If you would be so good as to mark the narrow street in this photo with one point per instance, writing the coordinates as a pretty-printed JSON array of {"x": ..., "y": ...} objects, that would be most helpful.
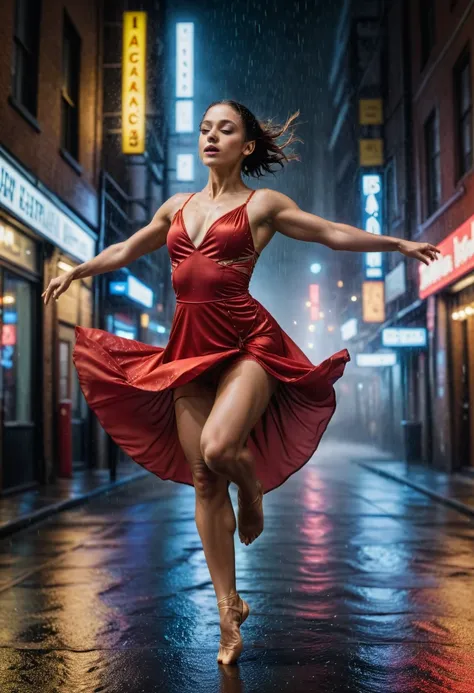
[{"x": 358, "y": 583}]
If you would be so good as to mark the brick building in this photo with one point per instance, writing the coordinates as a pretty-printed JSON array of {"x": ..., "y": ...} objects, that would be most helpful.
[
  {"x": 424, "y": 50},
  {"x": 50, "y": 115},
  {"x": 67, "y": 189},
  {"x": 442, "y": 44}
]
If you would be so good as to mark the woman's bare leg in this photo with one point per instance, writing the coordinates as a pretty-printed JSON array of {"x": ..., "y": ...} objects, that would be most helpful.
[
  {"x": 243, "y": 394},
  {"x": 214, "y": 514}
]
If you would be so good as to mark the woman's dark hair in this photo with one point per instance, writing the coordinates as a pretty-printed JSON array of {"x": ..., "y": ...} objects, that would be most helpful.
[{"x": 267, "y": 151}]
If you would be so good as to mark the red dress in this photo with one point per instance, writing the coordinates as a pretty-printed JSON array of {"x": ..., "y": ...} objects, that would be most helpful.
[{"x": 128, "y": 384}]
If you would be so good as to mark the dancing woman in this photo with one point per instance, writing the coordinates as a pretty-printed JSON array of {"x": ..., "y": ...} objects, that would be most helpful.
[{"x": 231, "y": 398}]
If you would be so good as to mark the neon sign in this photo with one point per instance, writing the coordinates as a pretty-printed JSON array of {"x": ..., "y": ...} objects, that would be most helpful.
[{"x": 372, "y": 220}]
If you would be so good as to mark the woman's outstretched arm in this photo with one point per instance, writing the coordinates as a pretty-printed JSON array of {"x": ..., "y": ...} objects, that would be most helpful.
[
  {"x": 287, "y": 218},
  {"x": 145, "y": 240}
]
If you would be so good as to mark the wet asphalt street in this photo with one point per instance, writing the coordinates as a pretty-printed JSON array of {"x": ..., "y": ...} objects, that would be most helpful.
[{"x": 357, "y": 584}]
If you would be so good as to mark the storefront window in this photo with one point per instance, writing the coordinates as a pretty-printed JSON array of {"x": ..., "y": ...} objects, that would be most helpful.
[{"x": 16, "y": 348}]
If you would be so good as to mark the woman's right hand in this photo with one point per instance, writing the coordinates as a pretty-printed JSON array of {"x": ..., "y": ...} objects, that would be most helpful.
[{"x": 57, "y": 286}]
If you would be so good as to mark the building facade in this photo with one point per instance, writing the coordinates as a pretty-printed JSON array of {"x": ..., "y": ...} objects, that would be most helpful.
[
  {"x": 49, "y": 218},
  {"x": 74, "y": 100},
  {"x": 421, "y": 405},
  {"x": 442, "y": 43}
]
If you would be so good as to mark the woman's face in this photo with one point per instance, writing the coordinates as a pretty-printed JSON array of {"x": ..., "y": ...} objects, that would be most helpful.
[{"x": 222, "y": 137}]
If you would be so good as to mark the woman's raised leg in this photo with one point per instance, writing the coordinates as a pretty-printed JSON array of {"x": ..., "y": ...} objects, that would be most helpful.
[{"x": 243, "y": 393}]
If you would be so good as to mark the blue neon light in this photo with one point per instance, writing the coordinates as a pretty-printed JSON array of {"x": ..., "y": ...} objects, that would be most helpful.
[
  {"x": 404, "y": 337},
  {"x": 372, "y": 221}
]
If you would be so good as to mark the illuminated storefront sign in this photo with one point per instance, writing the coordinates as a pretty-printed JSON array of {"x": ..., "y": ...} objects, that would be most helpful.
[
  {"x": 395, "y": 283},
  {"x": 349, "y": 329},
  {"x": 185, "y": 167},
  {"x": 23, "y": 199},
  {"x": 371, "y": 152},
  {"x": 134, "y": 289},
  {"x": 376, "y": 360},
  {"x": 184, "y": 116},
  {"x": 373, "y": 302},
  {"x": 370, "y": 112},
  {"x": 372, "y": 221},
  {"x": 184, "y": 60},
  {"x": 455, "y": 260},
  {"x": 133, "y": 82},
  {"x": 404, "y": 337}
]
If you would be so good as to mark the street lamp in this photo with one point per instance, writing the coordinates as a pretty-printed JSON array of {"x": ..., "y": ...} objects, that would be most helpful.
[{"x": 315, "y": 268}]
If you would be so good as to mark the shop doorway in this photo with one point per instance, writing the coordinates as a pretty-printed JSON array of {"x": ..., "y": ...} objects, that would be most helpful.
[{"x": 69, "y": 388}]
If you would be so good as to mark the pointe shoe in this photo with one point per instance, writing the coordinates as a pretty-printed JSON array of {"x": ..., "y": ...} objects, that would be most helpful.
[
  {"x": 258, "y": 499},
  {"x": 228, "y": 654}
]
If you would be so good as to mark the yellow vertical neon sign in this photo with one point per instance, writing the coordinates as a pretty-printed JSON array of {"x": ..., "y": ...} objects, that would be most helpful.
[{"x": 133, "y": 82}]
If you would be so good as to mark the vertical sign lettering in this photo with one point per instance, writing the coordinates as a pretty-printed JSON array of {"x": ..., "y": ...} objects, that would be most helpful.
[
  {"x": 133, "y": 82},
  {"x": 372, "y": 221}
]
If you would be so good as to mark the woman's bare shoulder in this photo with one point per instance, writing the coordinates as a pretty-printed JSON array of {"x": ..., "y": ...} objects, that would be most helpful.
[
  {"x": 173, "y": 204},
  {"x": 270, "y": 201}
]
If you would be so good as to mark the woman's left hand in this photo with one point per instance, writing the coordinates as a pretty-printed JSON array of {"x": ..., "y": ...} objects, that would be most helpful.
[{"x": 425, "y": 252}]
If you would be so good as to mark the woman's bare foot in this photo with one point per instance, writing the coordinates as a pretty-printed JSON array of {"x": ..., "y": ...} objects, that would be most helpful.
[
  {"x": 233, "y": 612},
  {"x": 250, "y": 517}
]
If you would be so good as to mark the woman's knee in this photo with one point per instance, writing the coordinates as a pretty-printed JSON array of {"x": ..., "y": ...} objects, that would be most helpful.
[
  {"x": 207, "y": 484},
  {"x": 218, "y": 455}
]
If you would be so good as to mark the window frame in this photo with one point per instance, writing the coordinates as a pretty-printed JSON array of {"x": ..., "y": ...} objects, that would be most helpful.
[
  {"x": 27, "y": 13},
  {"x": 434, "y": 155},
  {"x": 460, "y": 116},
  {"x": 70, "y": 90}
]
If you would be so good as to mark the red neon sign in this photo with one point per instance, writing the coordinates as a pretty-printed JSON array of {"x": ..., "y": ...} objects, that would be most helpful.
[{"x": 455, "y": 260}]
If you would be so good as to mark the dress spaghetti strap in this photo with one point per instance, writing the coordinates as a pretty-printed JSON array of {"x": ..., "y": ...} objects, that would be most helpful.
[
  {"x": 250, "y": 197},
  {"x": 187, "y": 201}
]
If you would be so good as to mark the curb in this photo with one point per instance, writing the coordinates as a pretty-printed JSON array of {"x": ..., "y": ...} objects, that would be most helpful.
[
  {"x": 28, "y": 520},
  {"x": 457, "y": 505}
]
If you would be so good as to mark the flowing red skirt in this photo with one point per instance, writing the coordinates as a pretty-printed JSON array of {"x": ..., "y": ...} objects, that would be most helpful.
[{"x": 129, "y": 385}]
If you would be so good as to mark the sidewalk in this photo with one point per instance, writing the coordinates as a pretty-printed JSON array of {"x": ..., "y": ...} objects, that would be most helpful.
[
  {"x": 455, "y": 490},
  {"x": 26, "y": 507}
]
